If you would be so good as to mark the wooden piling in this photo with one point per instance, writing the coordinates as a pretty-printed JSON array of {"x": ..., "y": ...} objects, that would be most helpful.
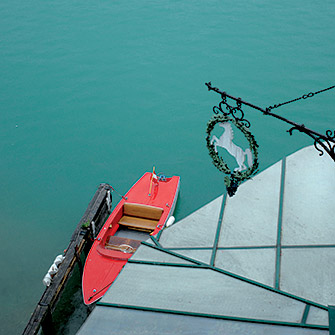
[{"x": 97, "y": 211}]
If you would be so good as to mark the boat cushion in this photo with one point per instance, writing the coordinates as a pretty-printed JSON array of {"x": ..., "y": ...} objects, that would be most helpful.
[
  {"x": 138, "y": 223},
  {"x": 140, "y": 217},
  {"x": 142, "y": 211}
]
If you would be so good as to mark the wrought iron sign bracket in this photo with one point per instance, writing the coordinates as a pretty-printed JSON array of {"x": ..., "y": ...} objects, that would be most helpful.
[{"x": 321, "y": 142}]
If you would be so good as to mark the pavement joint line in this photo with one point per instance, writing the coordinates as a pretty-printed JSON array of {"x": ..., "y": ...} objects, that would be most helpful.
[
  {"x": 279, "y": 225},
  {"x": 213, "y": 316},
  {"x": 244, "y": 279},
  {"x": 305, "y": 314},
  {"x": 218, "y": 230}
]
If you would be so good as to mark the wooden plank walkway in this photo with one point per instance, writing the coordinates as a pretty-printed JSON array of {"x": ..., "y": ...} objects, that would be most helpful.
[{"x": 96, "y": 211}]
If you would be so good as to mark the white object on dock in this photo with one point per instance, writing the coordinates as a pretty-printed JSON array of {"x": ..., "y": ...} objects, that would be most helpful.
[
  {"x": 53, "y": 270},
  {"x": 47, "y": 280},
  {"x": 109, "y": 200},
  {"x": 58, "y": 260}
]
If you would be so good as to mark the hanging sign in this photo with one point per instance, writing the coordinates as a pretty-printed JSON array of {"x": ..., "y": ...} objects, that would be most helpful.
[{"x": 246, "y": 159}]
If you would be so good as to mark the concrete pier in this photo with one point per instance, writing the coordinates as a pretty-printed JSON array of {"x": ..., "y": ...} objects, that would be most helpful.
[{"x": 260, "y": 262}]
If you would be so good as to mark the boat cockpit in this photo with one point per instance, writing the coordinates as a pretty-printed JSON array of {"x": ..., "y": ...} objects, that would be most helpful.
[
  {"x": 140, "y": 217},
  {"x": 136, "y": 221}
]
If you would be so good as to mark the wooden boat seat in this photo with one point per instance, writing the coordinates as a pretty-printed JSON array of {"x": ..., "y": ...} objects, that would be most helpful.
[{"x": 140, "y": 217}]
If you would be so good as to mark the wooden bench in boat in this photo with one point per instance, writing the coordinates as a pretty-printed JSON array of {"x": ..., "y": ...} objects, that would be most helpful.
[{"x": 140, "y": 217}]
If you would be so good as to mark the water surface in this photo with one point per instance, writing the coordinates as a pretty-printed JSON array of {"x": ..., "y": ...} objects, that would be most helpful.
[{"x": 101, "y": 91}]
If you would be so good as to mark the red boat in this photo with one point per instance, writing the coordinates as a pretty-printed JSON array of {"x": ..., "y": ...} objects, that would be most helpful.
[{"x": 144, "y": 210}]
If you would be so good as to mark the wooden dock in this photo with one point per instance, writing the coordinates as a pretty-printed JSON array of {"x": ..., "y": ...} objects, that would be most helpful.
[{"x": 96, "y": 211}]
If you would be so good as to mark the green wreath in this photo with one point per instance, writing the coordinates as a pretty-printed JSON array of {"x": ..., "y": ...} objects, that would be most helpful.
[{"x": 236, "y": 177}]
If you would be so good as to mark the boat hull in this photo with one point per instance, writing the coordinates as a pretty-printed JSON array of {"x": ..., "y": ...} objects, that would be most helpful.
[{"x": 111, "y": 250}]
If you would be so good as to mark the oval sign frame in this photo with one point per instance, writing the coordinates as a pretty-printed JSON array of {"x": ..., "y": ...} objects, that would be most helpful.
[{"x": 236, "y": 177}]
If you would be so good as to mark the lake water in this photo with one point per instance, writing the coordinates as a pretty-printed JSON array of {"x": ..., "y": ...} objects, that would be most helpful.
[{"x": 102, "y": 91}]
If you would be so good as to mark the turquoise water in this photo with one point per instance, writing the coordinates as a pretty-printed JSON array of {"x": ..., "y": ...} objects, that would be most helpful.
[{"x": 101, "y": 91}]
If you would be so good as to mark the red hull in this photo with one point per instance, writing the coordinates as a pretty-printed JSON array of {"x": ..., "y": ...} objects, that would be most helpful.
[{"x": 104, "y": 264}]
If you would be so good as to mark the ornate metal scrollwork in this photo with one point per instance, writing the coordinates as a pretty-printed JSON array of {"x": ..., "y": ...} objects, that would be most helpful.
[
  {"x": 328, "y": 145},
  {"x": 236, "y": 112},
  {"x": 322, "y": 143}
]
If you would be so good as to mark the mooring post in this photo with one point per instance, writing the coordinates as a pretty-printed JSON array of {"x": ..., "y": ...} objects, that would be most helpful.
[{"x": 80, "y": 264}]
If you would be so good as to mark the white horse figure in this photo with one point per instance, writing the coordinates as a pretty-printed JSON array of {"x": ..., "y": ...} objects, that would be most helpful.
[{"x": 226, "y": 141}]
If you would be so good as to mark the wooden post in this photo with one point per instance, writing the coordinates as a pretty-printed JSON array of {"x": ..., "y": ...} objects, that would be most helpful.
[{"x": 80, "y": 264}]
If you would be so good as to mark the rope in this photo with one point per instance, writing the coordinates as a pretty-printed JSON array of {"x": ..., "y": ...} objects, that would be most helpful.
[{"x": 122, "y": 196}]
